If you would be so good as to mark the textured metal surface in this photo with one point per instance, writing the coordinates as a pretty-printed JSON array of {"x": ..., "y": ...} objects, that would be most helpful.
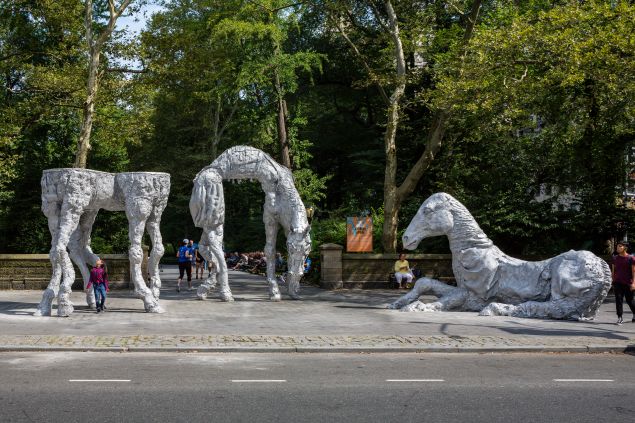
[
  {"x": 283, "y": 207},
  {"x": 571, "y": 285},
  {"x": 71, "y": 199}
]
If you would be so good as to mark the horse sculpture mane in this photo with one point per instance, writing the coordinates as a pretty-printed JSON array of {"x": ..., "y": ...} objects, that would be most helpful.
[{"x": 569, "y": 286}]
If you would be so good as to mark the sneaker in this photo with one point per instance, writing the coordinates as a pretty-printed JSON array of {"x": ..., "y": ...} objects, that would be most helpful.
[
  {"x": 98, "y": 310},
  {"x": 619, "y": 321}
]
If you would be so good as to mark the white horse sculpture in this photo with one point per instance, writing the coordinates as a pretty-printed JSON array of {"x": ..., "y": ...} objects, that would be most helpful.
[
  {"x": 71, "y": 199},
  {"x": 569, "y": 286},
  {"x": 283, "y": 207}
]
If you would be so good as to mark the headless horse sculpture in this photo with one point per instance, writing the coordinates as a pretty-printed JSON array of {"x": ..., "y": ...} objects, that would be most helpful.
[
  {"x": 569, "y": 286},
  {"x": 283, "y": 207},
  {"x": 71, "y": 199}
]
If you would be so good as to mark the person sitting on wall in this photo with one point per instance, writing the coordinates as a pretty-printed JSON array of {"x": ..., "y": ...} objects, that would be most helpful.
[{"x": 402, "y": 271}]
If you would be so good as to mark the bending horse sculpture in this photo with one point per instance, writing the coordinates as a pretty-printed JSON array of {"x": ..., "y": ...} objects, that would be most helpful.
[
  {"x": 283, "y": 207},
  {"x": 71, "y": 199},
  {"x": 569, "y": 286}
]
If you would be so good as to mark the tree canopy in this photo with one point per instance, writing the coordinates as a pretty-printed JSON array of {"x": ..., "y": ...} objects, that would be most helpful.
[{"x": 524, "y": 111}]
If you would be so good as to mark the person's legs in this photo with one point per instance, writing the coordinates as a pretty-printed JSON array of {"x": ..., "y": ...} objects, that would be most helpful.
[
  {"x": 188, "y": 269},
  {"x": 102, "y": 289},
  {"x": 97, "y": 292},
  {"x": 619, "y": 299},
  {"x": 408, "y": 277},
  {"x": 628, "y": 296},
  {"x": 178, "y": 281},
  {"x": 398, "y": 277}
]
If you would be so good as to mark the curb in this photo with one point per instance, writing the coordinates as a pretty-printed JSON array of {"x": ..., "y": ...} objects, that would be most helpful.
[{"x": 591, "y": 349}]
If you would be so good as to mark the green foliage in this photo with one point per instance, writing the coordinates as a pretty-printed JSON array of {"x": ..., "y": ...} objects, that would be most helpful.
[
  {"x": 542, "y": 99},
  {"x": 328, "y": 231}
]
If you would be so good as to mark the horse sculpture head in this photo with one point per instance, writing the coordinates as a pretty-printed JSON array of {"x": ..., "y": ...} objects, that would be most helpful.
[
  {"x": 298, "y": 247},
  {"x": 207, "y": 203},
  {"x": 434, "y": 218}
]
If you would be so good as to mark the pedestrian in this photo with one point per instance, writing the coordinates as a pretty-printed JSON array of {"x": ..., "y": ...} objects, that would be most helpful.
[
  {"x": 622, "y": 271},
  {"x": 402, "y": 271},
  {"x": 185, "y": 264},
  {"x": 192, "y": 247},
  {"x": 200, "y": 261},
  {"x": 99, "y": 282}
]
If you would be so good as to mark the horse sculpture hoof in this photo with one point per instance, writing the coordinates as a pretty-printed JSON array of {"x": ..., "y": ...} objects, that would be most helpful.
[
  {"x": 201, "y": 293},
  {"x": 227, "y": 299},
  {"x": 65, "y": 310},
  {"x": 156, "y": 309}
]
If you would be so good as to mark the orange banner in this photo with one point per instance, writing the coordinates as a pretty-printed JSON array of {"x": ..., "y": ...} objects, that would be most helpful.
[{"x": 359, "y": 234}]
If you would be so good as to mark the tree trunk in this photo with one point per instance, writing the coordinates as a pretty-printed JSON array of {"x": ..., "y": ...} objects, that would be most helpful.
[
  {"x": 282, "y": 133},
  {"x": 392, "y": 202},
  {"x": 83, "y": 144},
  {"x": 218, "y": 127},
  {"x": 283, "y": 141},
  {"x": 393, "y": 195},
  {"x": 215, "y": 128},
  {"x": 92, "y": 85}
]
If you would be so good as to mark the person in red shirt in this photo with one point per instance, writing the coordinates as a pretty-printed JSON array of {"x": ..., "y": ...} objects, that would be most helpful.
[
  {"x": 623, "y": 271},
  {"x": 99, "y": 281}
]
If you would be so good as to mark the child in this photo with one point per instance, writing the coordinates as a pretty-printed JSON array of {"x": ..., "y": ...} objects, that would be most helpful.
[{"x": 99, "y": 282}]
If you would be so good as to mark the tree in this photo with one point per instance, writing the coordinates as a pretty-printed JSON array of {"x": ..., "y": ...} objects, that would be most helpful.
[
  {"x": 369, "y": 18},
  {"x": 545, "y": 100},
  {"x": 95, "y": 43}
]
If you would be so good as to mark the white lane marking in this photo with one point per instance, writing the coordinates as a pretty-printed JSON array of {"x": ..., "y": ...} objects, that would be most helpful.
[
  {"x": 584, "y": 380},
  {"x": 99, "y": 380},
  {"x": 415, "y": 380},
  {"x": 258, "y": 380}
]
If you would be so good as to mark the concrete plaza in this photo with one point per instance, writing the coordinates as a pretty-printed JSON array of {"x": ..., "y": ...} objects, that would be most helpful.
[{"x": 323, "y": 321}]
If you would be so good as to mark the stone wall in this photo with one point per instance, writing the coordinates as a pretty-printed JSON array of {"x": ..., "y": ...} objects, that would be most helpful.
[
  {"x": 33, "y": 271},
  {"x": 355, "y": 270}
]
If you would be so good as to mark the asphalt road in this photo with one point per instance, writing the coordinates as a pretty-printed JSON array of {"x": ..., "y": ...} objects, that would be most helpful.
[{"x": 120, "y": 387}]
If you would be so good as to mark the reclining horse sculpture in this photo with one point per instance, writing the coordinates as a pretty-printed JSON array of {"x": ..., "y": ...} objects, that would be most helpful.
[
  {"x": 283, "y": 207},
  {"x": 71, "y": 199},
  {"x": 569, "y": 286}
]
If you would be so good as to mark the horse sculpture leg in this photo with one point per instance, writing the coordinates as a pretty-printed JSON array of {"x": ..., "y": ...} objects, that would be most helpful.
[
  {"x": 138, "y": 211},
  {"x": 450, "y": 297},
  {"x": 81, "y": 253},
  {"x": 153, "y": 226},
  {"x": 271, "y": 232},
  {"x": 52, "y": 212},
  {"x": 557, "y": 309},
  {"x": 69, "y": 220},
  {"x": 211, "y": 248}
]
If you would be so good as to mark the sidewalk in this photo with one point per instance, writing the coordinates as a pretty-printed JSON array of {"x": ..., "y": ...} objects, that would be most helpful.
[{"x": 324, "y": 321}]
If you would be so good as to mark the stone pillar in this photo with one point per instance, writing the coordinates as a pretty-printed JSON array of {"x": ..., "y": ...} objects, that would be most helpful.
[{"x": 331, "y": 266}]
